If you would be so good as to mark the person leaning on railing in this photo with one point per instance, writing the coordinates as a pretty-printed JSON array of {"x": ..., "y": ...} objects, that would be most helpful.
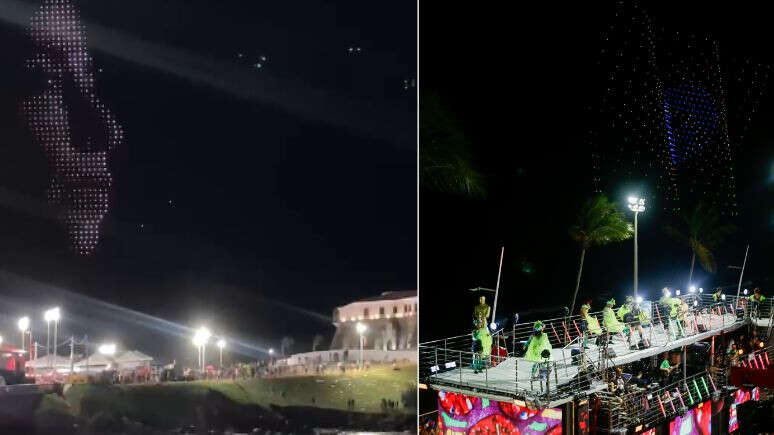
[
  {"x": 610, "y": 322},
  {"x": 589, "y": 324}
]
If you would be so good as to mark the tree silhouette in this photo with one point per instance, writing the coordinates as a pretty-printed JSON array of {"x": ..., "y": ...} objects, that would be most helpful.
[{"x": 599, "y": 223}]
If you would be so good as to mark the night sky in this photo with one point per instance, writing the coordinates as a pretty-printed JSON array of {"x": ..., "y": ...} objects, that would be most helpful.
[
  {"x": 268, "y": 172},
  {"x": 520, "y": 86}
]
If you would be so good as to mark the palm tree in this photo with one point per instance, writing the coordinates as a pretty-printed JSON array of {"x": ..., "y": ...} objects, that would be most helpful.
[
  {"x": 599, "y": 223},
  {"x": 444, "y": 157},
  {"x": 702, "y": 231},
  {"x": 318, "y": 339}
]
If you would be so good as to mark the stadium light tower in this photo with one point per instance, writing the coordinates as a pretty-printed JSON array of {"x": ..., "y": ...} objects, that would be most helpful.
[
  {"x": 637, "y": 205},
  {"x": 200, "y": 339},
  {"x": 361, "y": 328},
  {"x": 52, "y": 315},
  {"x": 221, "y": 345},
  {"x": 24, "y": 326}
]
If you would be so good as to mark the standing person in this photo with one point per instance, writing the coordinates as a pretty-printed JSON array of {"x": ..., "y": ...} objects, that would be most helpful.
[
  {"x": 633, "y": 316},
  {"x": 755, "y": 300},
  {"x": 718, "y": 295},
  {"x": 482, "y": 339},
  {"x": 482, "y": 345},
  {"x": 481, "y": 312},
  {"x": 536, "y": 344},
  {"x": 610, "y": 322},
  {"x": 589, "y": 324}
]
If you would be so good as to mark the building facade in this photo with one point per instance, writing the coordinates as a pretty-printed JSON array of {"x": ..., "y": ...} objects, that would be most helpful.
[{"x": 390, "y": 320}]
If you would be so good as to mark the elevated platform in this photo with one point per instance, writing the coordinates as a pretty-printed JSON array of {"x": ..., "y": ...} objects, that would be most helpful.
[{"x": 512, "y": 378}]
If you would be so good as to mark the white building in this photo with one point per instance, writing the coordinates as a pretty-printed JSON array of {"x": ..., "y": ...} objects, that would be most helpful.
[{"x": 390, "y": 319}]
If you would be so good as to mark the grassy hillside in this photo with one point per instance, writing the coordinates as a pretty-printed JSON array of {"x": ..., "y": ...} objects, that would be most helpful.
[{"x": 241, "y": 402}]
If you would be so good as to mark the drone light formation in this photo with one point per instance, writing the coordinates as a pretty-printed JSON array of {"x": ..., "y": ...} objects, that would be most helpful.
[{"x": 76, "y": 131}]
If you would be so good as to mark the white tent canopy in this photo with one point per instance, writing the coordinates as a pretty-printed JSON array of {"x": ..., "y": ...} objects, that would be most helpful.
[
  {"x": 133, "y": 359},
  {"x": 130, "y": 359},
  {"x": 43, "y": 362},
  {"x": 96, "y": 361}
]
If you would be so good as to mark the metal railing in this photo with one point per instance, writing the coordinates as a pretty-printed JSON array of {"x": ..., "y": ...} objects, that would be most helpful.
[
  {"x": 451, "y": 362},
  {"x": 622, "y": 411}
]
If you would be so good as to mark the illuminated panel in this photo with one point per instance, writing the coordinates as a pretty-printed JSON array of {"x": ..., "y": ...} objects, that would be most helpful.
[
  {"x": 740, "y": 396},
  {"x": 463, "y": 414},
  {"x": 695, "y": 421},
  {"x": 76, "y": 131}
]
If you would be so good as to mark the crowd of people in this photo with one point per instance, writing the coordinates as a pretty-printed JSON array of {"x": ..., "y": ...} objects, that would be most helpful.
[
  {"x": 627, "y": 320},
  {"x": 742, "y": 348}
]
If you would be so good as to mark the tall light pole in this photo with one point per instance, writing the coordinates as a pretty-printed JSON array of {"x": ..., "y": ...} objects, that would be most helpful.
[
  {"x": 221, "y": 345},
  {"x": 200, "y": 339},
  {"x": 24, "y": 325},
  {"x": 52, "y": 315},
  {"x": 637, "y": 205},
  {"x": 361, "y": 328}
]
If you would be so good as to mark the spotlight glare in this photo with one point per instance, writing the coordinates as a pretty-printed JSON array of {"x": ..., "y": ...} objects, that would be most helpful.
[{"x": 24, "y": 324}]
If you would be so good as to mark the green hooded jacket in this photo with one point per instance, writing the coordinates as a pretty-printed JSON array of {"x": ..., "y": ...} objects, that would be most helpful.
[
  {"x": 610, "y": 322},
  {"x": 536, "y": 345},
  {"x": 483, "y": 335}
]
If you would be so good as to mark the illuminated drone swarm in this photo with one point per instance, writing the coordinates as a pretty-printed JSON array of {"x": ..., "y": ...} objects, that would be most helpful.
[
  {"x": 672, "y": 114},
  {"x": 79, "y": 175}
]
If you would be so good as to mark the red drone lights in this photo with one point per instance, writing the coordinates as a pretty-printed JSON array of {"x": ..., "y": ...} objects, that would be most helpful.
[{"x": 76, "y": 131}]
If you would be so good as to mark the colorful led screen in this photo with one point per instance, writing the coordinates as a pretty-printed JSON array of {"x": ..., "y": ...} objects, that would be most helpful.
[
  {"x": 463, "y": 414},
  {"x": 696, "y": 421},
  {"x": 740, "y": 396}
]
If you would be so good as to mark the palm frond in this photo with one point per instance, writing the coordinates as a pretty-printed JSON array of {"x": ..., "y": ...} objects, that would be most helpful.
[
  {"x": 445, "y": 163},
  {"x": 706, "y": 257},
  {"x": 702, "y": 231},
  {"x": 599, "y": 222}
]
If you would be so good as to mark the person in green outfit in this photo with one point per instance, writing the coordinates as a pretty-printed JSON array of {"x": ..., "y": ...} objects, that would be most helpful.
[
  {"x": 755, "y": 300},
  {"x": 718, "y": 295},
  {"x": 665, "y": 368},
  {"x": 589, "y": 324},
  {"x": 634, "y": 317},
  {"x": 482, "y": 338},
  {"x": 537, "y": 343},
  {"x": 674, "y": 307},
  {"x": 482, "y": 341},
  {"x": 610, "y": 322}
]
